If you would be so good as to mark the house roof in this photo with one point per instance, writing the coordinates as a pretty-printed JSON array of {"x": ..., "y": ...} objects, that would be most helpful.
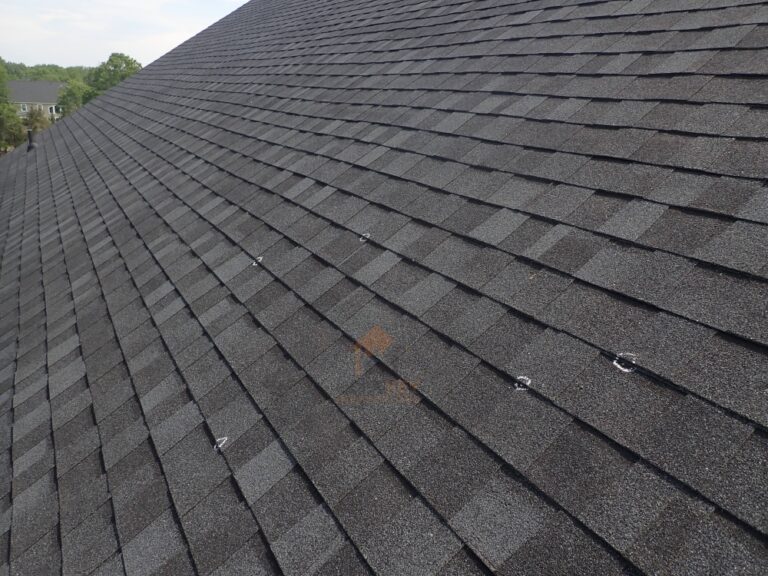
[
  {"x": 34, "y": 91},
  {"x": 394, "y": 288}
]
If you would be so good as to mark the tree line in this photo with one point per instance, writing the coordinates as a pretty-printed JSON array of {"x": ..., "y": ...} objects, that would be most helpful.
[
  {"x": 50, "y": 72},
  {"x": 81, "y": 84}
]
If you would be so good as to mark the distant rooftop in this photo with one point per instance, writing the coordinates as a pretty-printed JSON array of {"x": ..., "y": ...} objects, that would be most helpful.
[{"x": 34, "y": 91}]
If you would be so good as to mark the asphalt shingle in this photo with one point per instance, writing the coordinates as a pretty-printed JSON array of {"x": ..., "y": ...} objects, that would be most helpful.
[{"x": 393, "y": 289}]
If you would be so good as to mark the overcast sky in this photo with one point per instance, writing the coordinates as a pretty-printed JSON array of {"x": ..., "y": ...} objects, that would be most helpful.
[{"x": 81, "y": 32}]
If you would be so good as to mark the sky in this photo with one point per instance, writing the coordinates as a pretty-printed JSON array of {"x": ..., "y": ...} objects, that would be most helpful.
[{"x": 86, "y": 32}]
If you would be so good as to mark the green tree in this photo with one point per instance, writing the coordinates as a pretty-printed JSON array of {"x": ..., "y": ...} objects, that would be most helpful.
[
  {"x": 110, "y": 73},
  {"x": 74, "y": 95},
  {"x": 11, "y": 127},
  {"x": 37, "y": 119},
  {"x": 51, "y": 72},
  {"x": 3, "y": 83}
]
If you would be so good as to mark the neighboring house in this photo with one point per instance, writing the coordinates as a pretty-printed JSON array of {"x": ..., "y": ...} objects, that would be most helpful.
[{"x": 30, "y": 94}]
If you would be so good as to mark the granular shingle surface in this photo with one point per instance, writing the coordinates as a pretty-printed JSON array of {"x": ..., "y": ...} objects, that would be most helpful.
[{"x": 383, "y": 287}]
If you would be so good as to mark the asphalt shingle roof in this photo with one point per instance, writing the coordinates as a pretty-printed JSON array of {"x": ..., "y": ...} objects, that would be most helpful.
[
  {"x": 393, "y": 288},
  {"x": 41, "y": 91}
]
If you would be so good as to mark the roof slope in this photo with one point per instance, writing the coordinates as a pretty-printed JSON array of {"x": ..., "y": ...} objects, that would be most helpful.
[
  {"x": 358, "y": 287},
  {"x": 39, "y": 91}
]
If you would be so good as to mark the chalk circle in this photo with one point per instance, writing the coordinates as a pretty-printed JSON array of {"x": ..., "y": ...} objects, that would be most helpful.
[
  {"x": 626, "y": 362},
  {"x": 522, "y": 383}
]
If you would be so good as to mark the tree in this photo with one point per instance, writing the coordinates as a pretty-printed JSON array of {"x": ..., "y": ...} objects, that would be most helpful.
[
  {"x": 74, "y": 95},
  {"x": 51, "y": 72},
  {"x": 3, "y": 80},
  {"x": 37, "y": 119},
  {"x": 11, "y": 127},
  {"x": 110, "y": 73},
  {"x": 82, "y": 84}
]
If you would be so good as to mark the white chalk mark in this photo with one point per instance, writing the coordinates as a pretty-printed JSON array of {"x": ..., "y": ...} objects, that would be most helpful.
[
  {"x": 522, "y": 382},
  {"x": 220, "y": 444},
  {"x": 625, "y": 361},
  {"x": 256, "y": 262},
  {"x": 365, "y": 237}
]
